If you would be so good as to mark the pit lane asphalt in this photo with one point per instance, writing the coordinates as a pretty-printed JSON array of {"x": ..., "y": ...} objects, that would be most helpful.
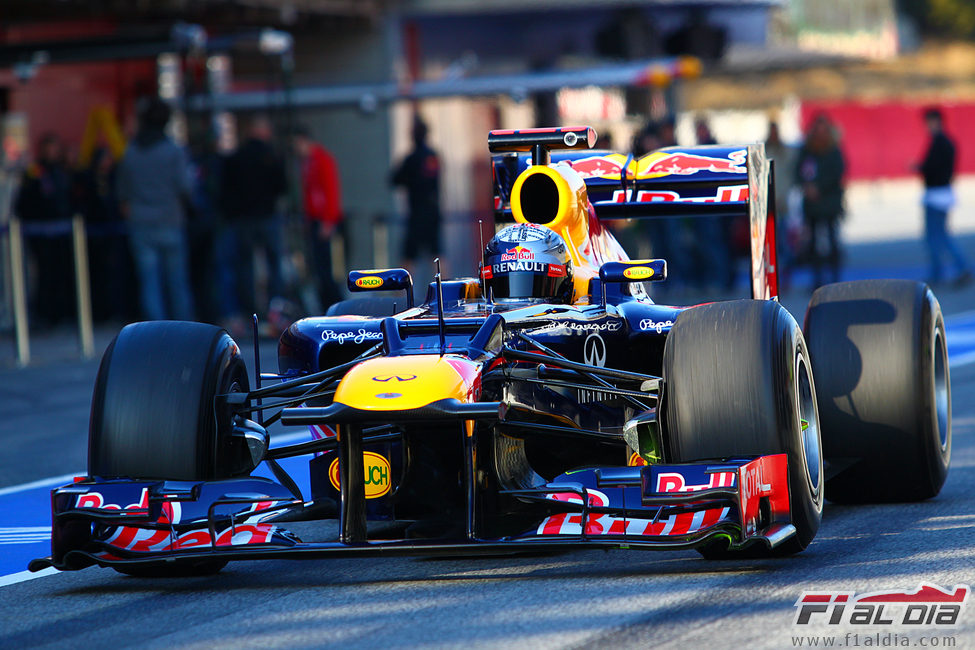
[{"x": 576, "y": 599}]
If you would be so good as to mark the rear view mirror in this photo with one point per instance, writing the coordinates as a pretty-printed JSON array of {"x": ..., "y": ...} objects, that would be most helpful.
[
  {"x": 633, "y": 271},
  {"x": 383, "y": 280},
  {"x": 630, "y": 271}
]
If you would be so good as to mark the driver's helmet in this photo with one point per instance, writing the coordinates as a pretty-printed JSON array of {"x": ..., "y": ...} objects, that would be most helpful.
[{"x": 527, "y": 261}]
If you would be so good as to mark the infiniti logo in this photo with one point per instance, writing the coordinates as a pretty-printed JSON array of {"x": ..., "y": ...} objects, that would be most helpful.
[{"x": 594, "y": 350}]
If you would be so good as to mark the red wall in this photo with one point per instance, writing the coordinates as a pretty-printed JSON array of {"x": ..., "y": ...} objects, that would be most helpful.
[
  {"x": 885, "y": 140},
  {"x": 60, "y": 97}
]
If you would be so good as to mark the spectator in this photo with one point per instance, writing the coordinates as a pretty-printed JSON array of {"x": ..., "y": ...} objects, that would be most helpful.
[
  {"x": 819, "y": 171},
  {"x": 253, "y": 181},
  {"x": 206, "y": 167},
  {"x": 784, "y": 158},
  {"x": 667, "y": 132},
  {"x": 702, "y": 131},
  {"x": 110, "y": 260},
  {"x": 938, "y": 170},
  {"x": 419, "y": 173},
  {"x": 45, "y": 198},
  {"x": 322, "y": 202},
  {"x": 153, "y": 186}
]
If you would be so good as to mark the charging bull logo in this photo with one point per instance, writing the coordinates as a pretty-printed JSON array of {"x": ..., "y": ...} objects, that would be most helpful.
[
  {"x": 660, "y": 163},
  {"x": 517, "y": 253},
  {"x": 684, "y": 164},
  {"x": 376, "y": 471}
]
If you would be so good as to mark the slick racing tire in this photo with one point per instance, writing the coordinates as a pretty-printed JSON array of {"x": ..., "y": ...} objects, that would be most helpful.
[
  {"x": 378, "y": 306},
  {"x": 881, "y": 367},
  {"x": 738, "y": 382},
  {"x": 153, "y": 411}
]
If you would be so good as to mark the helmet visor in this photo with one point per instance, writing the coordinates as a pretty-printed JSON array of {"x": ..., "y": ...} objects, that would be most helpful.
[{"x": 524, "y": 284}]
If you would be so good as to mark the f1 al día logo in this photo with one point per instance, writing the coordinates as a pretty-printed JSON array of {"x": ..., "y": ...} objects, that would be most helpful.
[{"x": 928, "y": 605}]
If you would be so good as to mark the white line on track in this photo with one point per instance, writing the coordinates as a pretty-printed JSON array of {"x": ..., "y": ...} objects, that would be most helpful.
[
  {"x": 964, "y": 359},
  {"x": 44, "y": 482},
  {"x": 961, "y": 332},
  {"x": 55, "y": 481},
  {"x": 961, "y": 317},
  {"x": 23, "y": 576}
]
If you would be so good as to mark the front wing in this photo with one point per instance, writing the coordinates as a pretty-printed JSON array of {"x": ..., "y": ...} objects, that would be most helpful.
[{"x": 121, "y": 523}]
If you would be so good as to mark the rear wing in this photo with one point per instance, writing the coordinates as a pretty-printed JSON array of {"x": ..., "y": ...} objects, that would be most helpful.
[{"x": 674, "y": 182}]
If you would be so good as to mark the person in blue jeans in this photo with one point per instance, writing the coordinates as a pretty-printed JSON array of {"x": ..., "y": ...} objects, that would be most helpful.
[
  {"x": 938, "y": 170},
  {"x": 253, "y": 180},
  {"x": 154, "y": 183}
]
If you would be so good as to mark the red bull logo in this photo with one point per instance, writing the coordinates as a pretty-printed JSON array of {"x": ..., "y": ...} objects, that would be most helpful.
[
  {"x": 730, "y": 193},
  {"x": 690, "y": 163},
  {"x": 661, "y": 164},
  {"x": 517, "y": 253},
  {"x": 596, "y": 167}
]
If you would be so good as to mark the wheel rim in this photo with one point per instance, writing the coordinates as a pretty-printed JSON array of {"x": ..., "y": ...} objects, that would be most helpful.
[
  {"x": 808, "y": 425},
  {"x": 941, "y": 387}
]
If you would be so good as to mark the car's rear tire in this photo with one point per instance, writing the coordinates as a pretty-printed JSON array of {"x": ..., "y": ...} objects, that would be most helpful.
[
  {"x": 153, "y": 412},
  {"x": 881, "y": 365},
  {"x": 738, "y": 382}
]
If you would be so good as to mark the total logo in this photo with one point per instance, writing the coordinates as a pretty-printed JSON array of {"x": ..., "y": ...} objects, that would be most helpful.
[
  {"x": 517, "y": 253},
  {"x": 376, "y": 472}
]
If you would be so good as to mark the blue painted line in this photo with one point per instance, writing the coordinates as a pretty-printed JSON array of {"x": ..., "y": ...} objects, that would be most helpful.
[{"x": 25, "y": 510}]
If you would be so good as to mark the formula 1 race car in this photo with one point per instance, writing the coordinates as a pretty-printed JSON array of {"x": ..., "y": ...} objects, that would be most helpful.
[{"x": 546, "y": 403}]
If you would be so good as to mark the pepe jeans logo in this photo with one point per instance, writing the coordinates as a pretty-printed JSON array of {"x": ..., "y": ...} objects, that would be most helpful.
[
  {"x": 358, "y": 337},
  {"x": 657, "y": 325}
]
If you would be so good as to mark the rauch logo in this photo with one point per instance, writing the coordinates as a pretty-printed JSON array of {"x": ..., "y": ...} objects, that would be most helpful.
[{"x": 376, "y": 473}]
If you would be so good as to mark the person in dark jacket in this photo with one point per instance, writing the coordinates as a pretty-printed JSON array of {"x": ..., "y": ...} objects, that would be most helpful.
[
  {"x": 153, "y": 188},
  {"x": 419, "y": 174},
  {"x": 44, "y": 201},
  {"x": 253, "y": 181},
  {"x": 819, "y": 172},
  {"x": 113, "y": 290},
  {"x": 938, "y": 170}
]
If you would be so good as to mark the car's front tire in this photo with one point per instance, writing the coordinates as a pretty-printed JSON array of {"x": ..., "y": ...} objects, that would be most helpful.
[
  {"x": 154, "y": 413},
  {"x": 738, "y": 382}
]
